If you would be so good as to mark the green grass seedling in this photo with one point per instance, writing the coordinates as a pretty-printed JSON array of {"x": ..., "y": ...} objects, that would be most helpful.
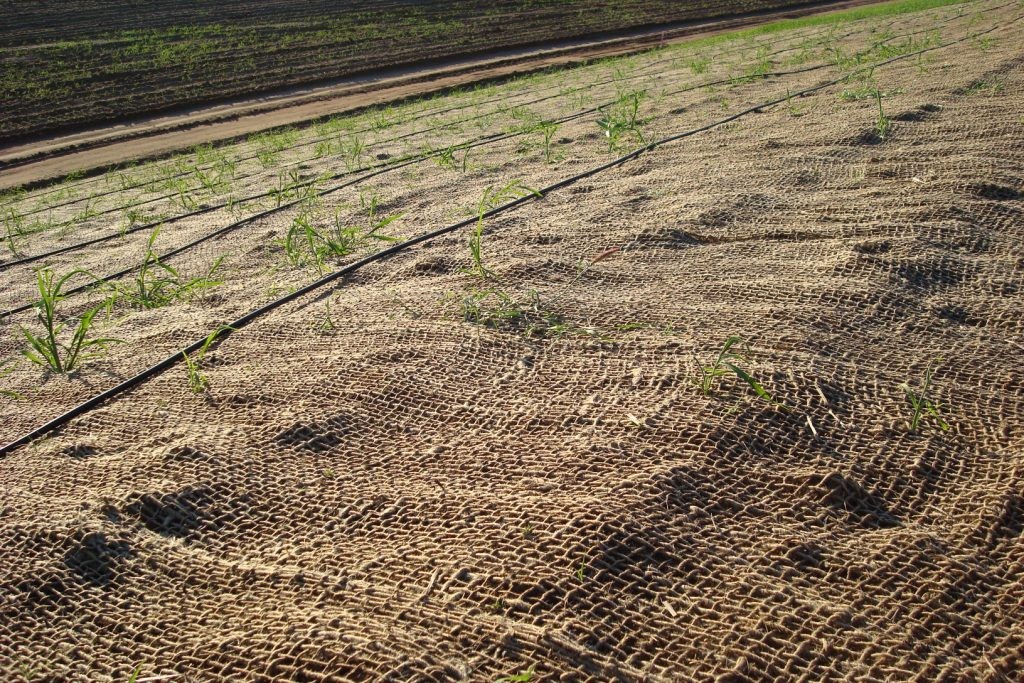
[
  {"x": 158, "y": 284},
  {"x": 490, "y": 308},
  {"x": 447, "y": 158},
  {"x": 300, "y": 234},
  {"x": 992, "y": 86},
  {"x": 884, "y": 124},
  {"x": 794, "y": 110},
  {"x": 130, "y": 219},
  {"x": 727, "y": 363},
  {"x": 548, "y": 130},
  {"x": 308, "y": 243},
  {"x": 521, "y": 677},
  {"x": 6, "y": 368},
  {"x": 87, "y": 212},
  {"x": 622, "y": 118},
  {"x": 198, "y": 382},
  {"x": 921, "y": 404},
  {"x": 492, "y": 197},
  {"x": 352, "y": 151},
  {"x": 135, "y": 674},
  {"x": 327, "y": 324},
  {"x": 270, "y": 145},
  {"x": 182, "y": 194},
  {"x": 287, "y": 187},
  {"x": 12, "y": 238},
  {"x": 382, "y": 118},
  {"x": 46, "y": 349},
  {"x": 14, "y": 222}
]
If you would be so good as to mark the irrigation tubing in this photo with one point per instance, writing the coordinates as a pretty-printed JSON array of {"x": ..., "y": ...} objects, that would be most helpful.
[
  {"x": 435, "y": 112},
  {"x": 243, "y": 321},
  {"x": 375, "y": 170}
]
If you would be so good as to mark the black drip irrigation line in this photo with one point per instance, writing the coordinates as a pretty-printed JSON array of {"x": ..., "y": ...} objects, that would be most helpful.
[
  {"x": 384, "y": 167},
  {"x": 645, "y": 71},
  {"x": 243, "y": 321}
]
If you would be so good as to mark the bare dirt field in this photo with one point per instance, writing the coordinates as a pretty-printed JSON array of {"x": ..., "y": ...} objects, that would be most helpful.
[
  {"x": 76, "y": 62},
  {"x": 698, "y": 364}
]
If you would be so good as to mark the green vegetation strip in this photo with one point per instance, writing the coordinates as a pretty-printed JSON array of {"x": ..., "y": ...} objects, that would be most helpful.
[{"x": 885, "y": 9}]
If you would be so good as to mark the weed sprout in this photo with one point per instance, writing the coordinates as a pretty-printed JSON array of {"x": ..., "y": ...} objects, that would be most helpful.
[
  {"x": 492, "y": 197},
  {"x": 922, "y": 405},
  {"x": 621, "y": 118},
  {"x": 727, "y": 363},
  {"x": 46, "y": 349},
  {"x": 884, "y": 124},
  {"x": 198, "y": 382},
  {"x": 157, "y": 284},
  {"x": 6, "y": 368}
]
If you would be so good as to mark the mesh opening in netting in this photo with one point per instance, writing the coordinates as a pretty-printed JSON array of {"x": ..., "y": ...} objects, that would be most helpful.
[{"x": 423, "y": 473}]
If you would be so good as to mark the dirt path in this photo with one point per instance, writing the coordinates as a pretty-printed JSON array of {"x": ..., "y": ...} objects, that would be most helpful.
[{"x": 149, "y": 137}]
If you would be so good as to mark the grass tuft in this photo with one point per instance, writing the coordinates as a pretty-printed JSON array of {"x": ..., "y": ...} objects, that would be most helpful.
[
  {"x": 621, "y": 119},
  {"x": 921, "y": 404},
  {"x": 491, "y": 198},
  {"x": 46, "y": 349},
  {"x": 522, "y": 677},
  {"x": 198, "y": 382},
  {"x": 727, "y": 363},
  {"x": 6, "y": 368},
  {"x": 884, "y": 124},
  {"x": 157, "y": 284}
]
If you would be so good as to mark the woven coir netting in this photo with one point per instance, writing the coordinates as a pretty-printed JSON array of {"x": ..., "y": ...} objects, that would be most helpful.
[{"x": 422, "y": 473}]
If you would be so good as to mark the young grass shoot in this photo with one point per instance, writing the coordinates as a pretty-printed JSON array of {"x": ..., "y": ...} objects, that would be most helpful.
[
  {"x": 922, "y": 405},
  {"x": 46, "y": 349},
  {"x": 733, "y": 352}
]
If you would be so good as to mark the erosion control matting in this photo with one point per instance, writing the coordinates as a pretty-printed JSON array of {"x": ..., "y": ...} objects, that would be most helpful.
[{"x": 419, "y": 473}]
